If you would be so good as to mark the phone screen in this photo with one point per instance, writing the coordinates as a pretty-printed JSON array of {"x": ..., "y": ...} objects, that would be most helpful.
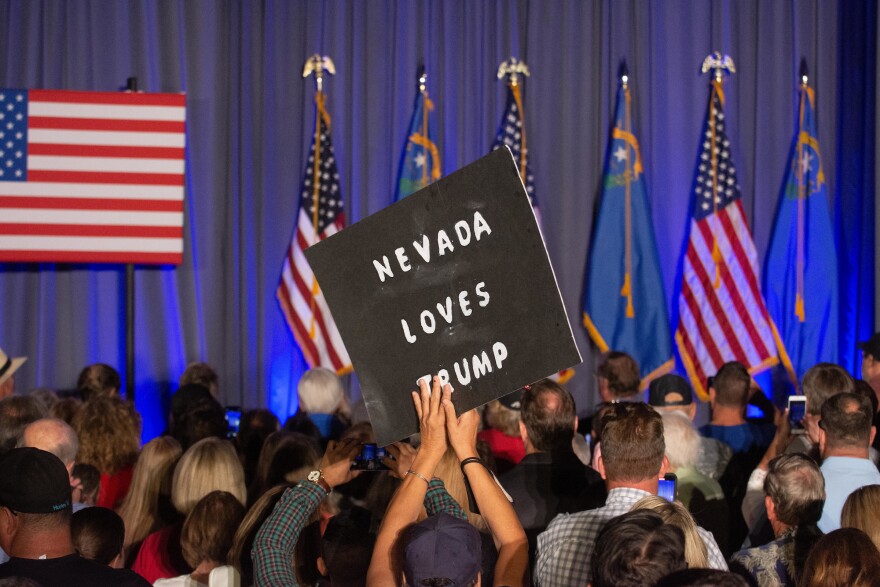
[
  {"x": 370, "y": 459},
  {"x": 797, "y": 409},
  {"x": 233, "y": 421},
  {"x": 666, "y": 487}
]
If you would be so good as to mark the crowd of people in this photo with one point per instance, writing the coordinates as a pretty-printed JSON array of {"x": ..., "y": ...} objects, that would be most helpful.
[{"x": 519, "y": 492}]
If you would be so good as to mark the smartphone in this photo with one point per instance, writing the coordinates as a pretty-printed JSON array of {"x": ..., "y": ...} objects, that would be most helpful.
[
  {"x": 797, "y": 409},
  {"x": 233, "y": 421},
  {"x": 668, "y": 486},
  {"x": 370, "y": 458}
]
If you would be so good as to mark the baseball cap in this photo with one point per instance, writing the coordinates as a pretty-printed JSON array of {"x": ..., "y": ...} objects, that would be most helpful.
[
  {"x": 33, "y": 481},
  {"x": 670, "y": 390},
  {"x": 513, "y": 401},
  {"x": 871, "y": 346},
  {"x": 9, "y": 365},
  {"x": 442, "y": 547}
]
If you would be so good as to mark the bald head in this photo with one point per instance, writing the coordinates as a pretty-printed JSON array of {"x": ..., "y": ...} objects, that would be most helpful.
[{"x": 54, "y": 436}]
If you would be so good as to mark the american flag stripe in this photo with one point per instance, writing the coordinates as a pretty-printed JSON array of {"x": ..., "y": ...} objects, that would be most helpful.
[
  {"x": 722, "y": 315},
  {"x": 92, "y": 176},
  {"x": 320, "y": 216}
]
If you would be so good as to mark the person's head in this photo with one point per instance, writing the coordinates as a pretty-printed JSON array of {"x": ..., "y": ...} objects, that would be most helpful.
[
  {"x": 862, "y": 387},
  {"x": 97, "y": 535},
  {"x": 846, "y": 424},
  {"x": 210, "y": 528},
  {"x": 54, "y": 436},
  {"x": 346, "y": 548},
  {"x": 201, "y": 374},
  {"x": 208, "y": 465},
  {"x": 548, "y": 417},
  {"x": 503, "y": 416},
  {"x": 633, "y": 449},
  {"x": 109, "y": 432},
  {"x": 672, "y": 393},
  {"x": 45, "y": 395},
  {"x": 675, "y": 514},
  {"x": 702, "y": 578},
  {"x": 35, "y": 501},
  {"x": 256, "y": 425},
  {"x": 287, "y": 457},
  {"x": 823, "y": 380},
  {"x": 98, "y": 380},
  {"x": 16, "y": 412},
  {"x": 870, "y": 356},
  {"x": 682, "y": 440},
  {"x": 636, "y": 549},
  {"x": 862, "y": 510},
  {"x": 730, "y": 386},
  {"x": 8, "y": 367},
  {"x": 618, "y": 376},
  {"x": 842, "y": 558},
  {"x": 147, "y": 505},
  {"x": 441, "y": 550},
  {"x": 794, "y": 490},
  {"x": 204, "y": 418},
  {"x": 88, "y": 484},
  {"x": 320, "y": 391},
  {"x": 185, "y": 399},
  {"x": 243, "y": 543},
  {"x": 65, "y": 409}
]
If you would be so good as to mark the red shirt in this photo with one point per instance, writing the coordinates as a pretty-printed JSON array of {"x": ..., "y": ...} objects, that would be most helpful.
[
  {"x": 509, "y": 448},
  {"x": 114, "y": 488}
]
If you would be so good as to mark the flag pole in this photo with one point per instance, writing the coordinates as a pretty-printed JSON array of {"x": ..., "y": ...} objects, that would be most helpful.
[
  {"x": 719, "y": 65},
  {"x": 626, "y": 290},
  {"x": 131, "y": 85},
  {"x": 512, "y": 69},
  {"x": 802, "y": 180},
  {"x": 318, "y": 65}
]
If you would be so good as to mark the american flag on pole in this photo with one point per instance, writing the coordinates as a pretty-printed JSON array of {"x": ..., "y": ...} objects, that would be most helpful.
[
  {"x": 722, "y": 314},
  {"x": 320, "y": 216},
  {"x": 91, "y": 177},
  {"x": 512, "y": 133}
]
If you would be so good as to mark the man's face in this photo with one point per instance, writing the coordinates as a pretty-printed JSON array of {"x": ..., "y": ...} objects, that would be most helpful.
[{"x": 870, "y": 366}]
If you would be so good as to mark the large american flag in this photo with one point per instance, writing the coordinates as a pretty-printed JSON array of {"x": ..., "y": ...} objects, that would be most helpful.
[
  {"x": 722, "y": 315},
  {"x": 320, "y": 215},
  {"x": 511, "y": 133},
  {"x": 91, "y": 176}
]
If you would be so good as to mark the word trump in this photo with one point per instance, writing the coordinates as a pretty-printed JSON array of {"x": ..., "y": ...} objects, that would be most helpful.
[
  {"x": 462, "y": 230},
  {"x": 478, "y": 366}
]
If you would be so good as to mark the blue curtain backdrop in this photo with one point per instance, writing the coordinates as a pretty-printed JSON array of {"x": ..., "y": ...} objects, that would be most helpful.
[{"x": 248, "y": 129}]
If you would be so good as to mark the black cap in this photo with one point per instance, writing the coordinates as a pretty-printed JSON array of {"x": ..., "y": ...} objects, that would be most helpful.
[
  {"x": 670, "y": 390},
  {"x": 33, "y": 481},
  {"x": 871, "y": 346},
  {"x": 513, "y": 401}
]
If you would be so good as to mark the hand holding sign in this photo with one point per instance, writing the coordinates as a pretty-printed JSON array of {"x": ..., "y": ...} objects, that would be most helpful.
[{"x": 453, "y": 280}]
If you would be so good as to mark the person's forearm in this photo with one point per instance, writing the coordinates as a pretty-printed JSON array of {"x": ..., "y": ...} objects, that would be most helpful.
[
  {"x": 275, "y": 541},
  {"x": 438, "y": 500},
  {"x": 508, "y": 533}
]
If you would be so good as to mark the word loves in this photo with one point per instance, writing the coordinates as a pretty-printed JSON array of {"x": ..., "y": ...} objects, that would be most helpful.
[
  {"x": 444, "y": 244},
  {"x": 429, "y": 322}
]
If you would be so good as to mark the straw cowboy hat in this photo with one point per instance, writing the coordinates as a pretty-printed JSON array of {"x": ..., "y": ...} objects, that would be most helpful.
[{"x": 9, "y": 366}]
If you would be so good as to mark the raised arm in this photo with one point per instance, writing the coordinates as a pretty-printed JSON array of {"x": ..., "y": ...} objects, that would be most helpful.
[
  {"x": 510, "y": 538},
  {"x": 275, "y": 541},
  {"x": 405, "y": 506}
]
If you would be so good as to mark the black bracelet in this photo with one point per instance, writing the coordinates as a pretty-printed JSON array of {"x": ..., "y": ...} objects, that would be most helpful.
[{"x": 470, "y": 460}]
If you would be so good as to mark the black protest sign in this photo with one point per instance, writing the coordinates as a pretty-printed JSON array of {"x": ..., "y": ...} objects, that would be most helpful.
[{"x": 453, "y": 279}]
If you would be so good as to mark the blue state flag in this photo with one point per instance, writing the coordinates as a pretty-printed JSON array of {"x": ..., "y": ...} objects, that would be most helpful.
[
  {"x": 420, "y": 165},
  {"x": 800, "y": 277},
  {"x": 624, "y": 300}
]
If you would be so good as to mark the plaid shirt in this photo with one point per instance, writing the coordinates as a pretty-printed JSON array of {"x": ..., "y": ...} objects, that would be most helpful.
[
  {"x": 566, "y": 547},
  {"x": 274, "y": 544}
]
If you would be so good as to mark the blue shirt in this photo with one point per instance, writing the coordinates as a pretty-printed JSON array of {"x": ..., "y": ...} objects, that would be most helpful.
[
  {"x": 843, "y": 475},
  {"x": 741, "y": 437}
]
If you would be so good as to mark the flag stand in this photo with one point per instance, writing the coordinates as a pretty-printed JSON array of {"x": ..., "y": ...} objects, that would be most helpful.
[{"x": 130, "y": 86}]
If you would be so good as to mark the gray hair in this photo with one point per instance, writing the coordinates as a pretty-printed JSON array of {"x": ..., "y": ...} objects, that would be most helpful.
[
  {"x": 320, "y": 391},
  {"x": 54, "y": 436},
  {"x": 682, "y": 440},
  {"x": 796, "y": 487}
]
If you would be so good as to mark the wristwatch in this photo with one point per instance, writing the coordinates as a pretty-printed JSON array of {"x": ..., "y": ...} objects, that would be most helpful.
[{"x": 317, "y": 478}]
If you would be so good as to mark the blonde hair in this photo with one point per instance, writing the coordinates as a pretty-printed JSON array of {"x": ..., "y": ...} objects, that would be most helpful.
[
  {"x": 320, "y": 391},
  {"x": 209, "y": 465},
  {"x": 675, "y": 514},
  {"x": 109, "y": 432},
  {"x": 682, "y": 440},
  {"x": 150, "y": 486},
  {"x": 502, "y": 418},
  {"x": 449, "y": 471},
  {"x": 862, "y": 511}
]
